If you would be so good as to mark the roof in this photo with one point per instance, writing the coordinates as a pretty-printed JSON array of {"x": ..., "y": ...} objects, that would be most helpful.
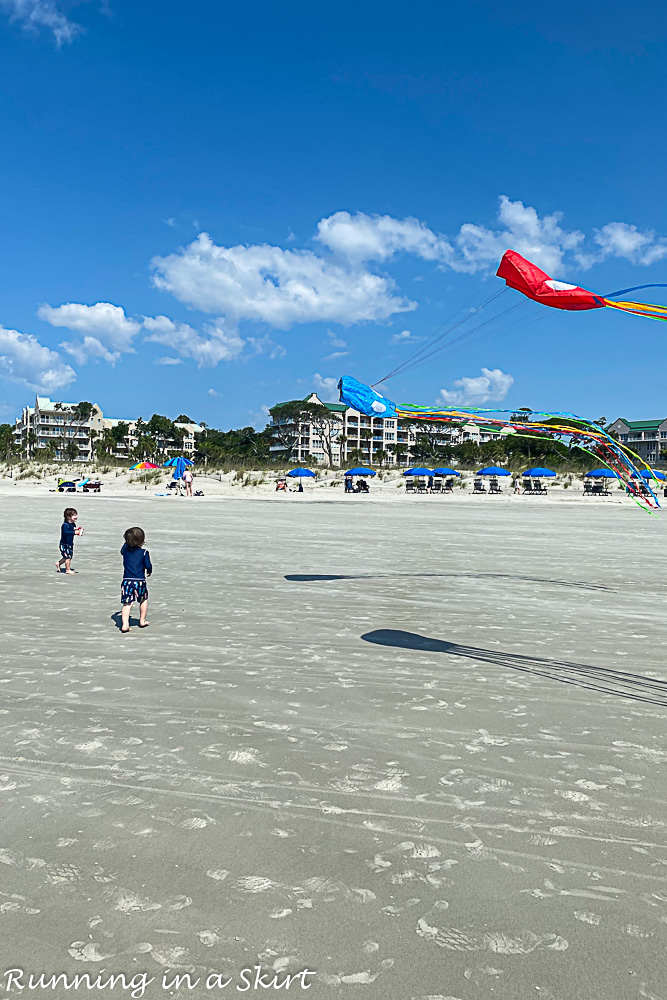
[{"x": 642, "y": 425}]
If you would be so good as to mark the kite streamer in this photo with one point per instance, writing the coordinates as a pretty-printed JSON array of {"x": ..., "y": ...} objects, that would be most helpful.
[
  {"x": 563, "y": 427},
  {"x": 536, "y": 284}
]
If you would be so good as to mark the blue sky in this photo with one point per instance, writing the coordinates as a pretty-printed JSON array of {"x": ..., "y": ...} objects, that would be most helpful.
[{"x": 208, "y": 209}]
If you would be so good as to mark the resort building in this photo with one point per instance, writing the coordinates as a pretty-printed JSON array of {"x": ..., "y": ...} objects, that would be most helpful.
[
  {"x": 647, "y": 438},
  {"x": 68, "y": 431},
  {"x": 367, "y": 440}
]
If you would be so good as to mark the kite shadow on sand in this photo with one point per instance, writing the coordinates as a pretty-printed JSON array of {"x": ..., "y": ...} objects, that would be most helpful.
[
  {"x": 324, "y": 577},
  {"x": 620, "y": 683}
]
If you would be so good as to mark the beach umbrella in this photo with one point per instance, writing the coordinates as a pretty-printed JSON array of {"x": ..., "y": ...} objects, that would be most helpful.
[
  {"x": 602, "y": 474},
  {"x": 179, "y": 458},
  {"x": 650, "y": 474},
  {"x": 418, "y": 472},
  {"x": 299, "y": 473},
  {"x": 144, "y": 466},
  {"x": 538, "y": 473},
  {"x": 493, "y": 470},
  {"x": 359, "y": 471},
  {"x": 445, "y": 472}
]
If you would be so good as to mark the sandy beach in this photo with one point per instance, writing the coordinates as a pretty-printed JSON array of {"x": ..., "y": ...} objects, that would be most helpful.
[{"x": 415, "y": 747}]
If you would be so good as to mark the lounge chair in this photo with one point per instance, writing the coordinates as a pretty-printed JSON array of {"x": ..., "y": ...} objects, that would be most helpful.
[
  {"x": 448, "y": 486},
  {"x": 528, "y": 486},
  {"x": 437, "y": 486},
  {"x": 588, "y": 488},
  {"x": 539, "y": 488},
  {"x": 494, "y": 486},
  {"x": 478, "y": 486},
  {"x": 409, "y": 485},
  {"x": 421, "y": 486}
]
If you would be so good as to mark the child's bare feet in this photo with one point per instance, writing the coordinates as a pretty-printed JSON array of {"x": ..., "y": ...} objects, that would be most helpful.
[
  {"x": 144, "y": 624},
  {"x": 70, "y": 572},
  {"x": 124, "y": 630},
  {"x": 57, "y": 567}
]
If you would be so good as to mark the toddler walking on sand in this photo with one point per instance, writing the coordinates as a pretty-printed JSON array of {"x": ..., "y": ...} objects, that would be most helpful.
[
  {"x": 67, "y": 532},
  {"x": 136, "y": 565}
]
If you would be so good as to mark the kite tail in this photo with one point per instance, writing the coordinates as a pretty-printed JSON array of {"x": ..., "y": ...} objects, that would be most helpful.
[{"x": 639, "y": 309}]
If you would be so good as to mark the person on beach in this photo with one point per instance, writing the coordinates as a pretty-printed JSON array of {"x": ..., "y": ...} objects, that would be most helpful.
[
  {"x": 187, "y": 479},
  {"x": 67, "y": 533},
  {"x": 517, "y": 485},
  {"x": 136, "y": 566}
]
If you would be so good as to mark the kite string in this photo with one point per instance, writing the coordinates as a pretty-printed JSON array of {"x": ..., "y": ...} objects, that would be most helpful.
[{"x": 450, "y": 329}]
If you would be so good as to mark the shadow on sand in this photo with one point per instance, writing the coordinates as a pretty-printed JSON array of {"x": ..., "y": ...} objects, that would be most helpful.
[
  {"x": 116, "y": 619},
  {"x": 602, "y": 679},
  {"x": 323, "y": 577}
]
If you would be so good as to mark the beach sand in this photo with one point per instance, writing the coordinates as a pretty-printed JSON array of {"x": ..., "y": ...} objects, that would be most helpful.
[{"x": 415, "y": 747}]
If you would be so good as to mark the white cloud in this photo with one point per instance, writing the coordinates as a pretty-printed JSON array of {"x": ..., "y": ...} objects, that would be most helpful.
[
  {"x": 24, "y": 360},
  {"x": 167, "y": 361},
  {"x": 618, "y": 239},
  {"x": 364, "y": 237},
  {"x": 490, "y": 387},
  {"x": 107, "y": 331},
  {"x": 36, "y": 14},
  {"x": 326, "y": 388},
  {"x": 212, "y": 392},
  {"x": 336, "y": 354},
  {"x": 543, "y": 239},
  {"x": 220, "y": 344},
  {"x": 275, "y": 286},
  {"x": 336, "y": 339},
  {"x": 404, "y": 337}
]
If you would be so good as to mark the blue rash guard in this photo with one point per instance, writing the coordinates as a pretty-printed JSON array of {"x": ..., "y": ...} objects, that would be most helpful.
[
  {"x": 67, "y": 533},
  {"x": 136, "y": 562}
]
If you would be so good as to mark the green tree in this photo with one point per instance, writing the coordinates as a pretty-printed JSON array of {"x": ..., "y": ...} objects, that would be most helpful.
[{"x": 291, "y": 420}]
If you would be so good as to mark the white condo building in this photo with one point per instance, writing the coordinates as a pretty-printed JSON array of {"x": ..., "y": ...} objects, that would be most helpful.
[
  {"x": 58, "y": 422},
  {"x": 393, "y": 437}
]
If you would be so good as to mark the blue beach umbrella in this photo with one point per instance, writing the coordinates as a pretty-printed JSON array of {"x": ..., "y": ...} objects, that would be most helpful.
[
  {"x": 538, "y": 473},
  {"x": 298, "y": 473},
  {"x": 650, "y": 474},
  {"x": 602, "y": 474},
  {"x": 418, "y": 472},
  {"x": 359, "y": 471},
  {"x": 175, "y": 461},
  {"x": 445, "y": 472},
  {"x": 493, "y": 470}
]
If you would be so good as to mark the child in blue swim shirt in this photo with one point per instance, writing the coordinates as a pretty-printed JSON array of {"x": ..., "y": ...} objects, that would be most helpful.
[
  {"x": 136, "y": 566},
  {"x": 67, "y": 532}
]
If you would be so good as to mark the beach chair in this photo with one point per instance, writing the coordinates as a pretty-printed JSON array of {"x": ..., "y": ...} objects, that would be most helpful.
[
  {"x": 538, "y": 488},
  {"x": 409, "y": 485},
  {"x": 437, "y": 486},
  {"x": 588, "y": 488},
  {"x": 478, "y": 486},
  {"x": 421, "y": 486},
  {"x": 448, "y": 486},
  {"x": 494, "y": 486},
  {"x": 528, "y": 486}
]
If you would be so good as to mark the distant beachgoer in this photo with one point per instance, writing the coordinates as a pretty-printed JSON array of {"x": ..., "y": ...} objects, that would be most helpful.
[
  {"x": 429, "y": 485},
  {"x": 67, "y": 532},
  {"x": 187, "y": 479},
  {"x": 517, "y": 485},
  {"x": 281, "y": 485},
  {"x": 136, "y": 565}
]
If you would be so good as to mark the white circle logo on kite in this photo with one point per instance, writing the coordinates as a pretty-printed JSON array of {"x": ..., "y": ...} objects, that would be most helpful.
[
  {"x": 559, "y": 286},
  {"x": 378, "y": 407}
]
